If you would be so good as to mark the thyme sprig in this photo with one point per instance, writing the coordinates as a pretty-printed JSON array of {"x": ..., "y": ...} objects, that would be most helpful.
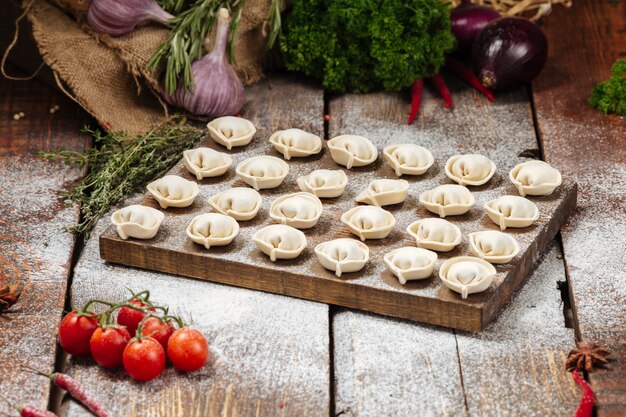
[{"x": 121, "y": 163}]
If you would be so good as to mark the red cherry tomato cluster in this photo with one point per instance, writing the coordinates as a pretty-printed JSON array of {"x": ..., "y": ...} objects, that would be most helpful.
[{"x": 140, "y": 338}]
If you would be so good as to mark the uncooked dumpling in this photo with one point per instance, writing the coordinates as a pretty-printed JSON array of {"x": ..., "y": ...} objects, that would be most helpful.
[
  {"x": 137, "y": 221},
  {"x": 435, "y": 234},
  {"x": 279, "y": 241},
  {"x": 467, "y": 274},
  {"x": 324, "y": 183},
  {"x": 447, "y": 200},
  {"x": 173, "y": 191},
  {"x": 296, "y": 143},
  {"x": 206, "y": 162},
  {"x": 409, "y": 263},
  {"x": 231, "y": 131},
  {"x": 342, "y": 255},
  {"x": 263, "y": 171},
  {"x": 384, "y": 192},
  {"x": 408, "y": 159},
  {"x": 535, "y": 178},
  {"x": 493, "y": 246},
  {"x": 352, "y": 151},
  {"x": 212, "y": 229},
  {"x": 512, "y": 211},
  {"x": 299, "y": 210},
  {"x": 369, "y": 222},
  {"x": 240, "y": 203},
  {"x": 470, "y": 169}
]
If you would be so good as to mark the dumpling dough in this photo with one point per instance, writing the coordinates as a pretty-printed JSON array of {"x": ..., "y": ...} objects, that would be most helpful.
[
  {"x": 409, "y": 263},
  {"x": 299, "y": 210},
  {"x": 263, "y": 171},
  {"x": 447, "y": 200},
  {"x": 470, "y": 169},
  {"x": 342, "y": 255},
  {"x": 173, "y": 191},
  {"x": 435, "y": 234},
  {"x": 384, "y": 192},
  {"x": 467, "y": 275},
  {"x": 535, "y": 178},
  {"x": 512, "y": 211},
  {"x": 352, "y": 151},
  {"x": 206, "y": 162},
  {"x": 137, "y": 221},
  {"x": 369, "y": 222},
  {"x": 324, "y": 183},
  {"x": 493, "y": 246},
  {"x": 240, "y": 203},
  {"x": 231, "y": 131},
  {"x": 279, "y": 241},
  {"x": 296, "y": 143},
  {"x": 212, "y": 229},
  {"x": 408, "y": 159}
]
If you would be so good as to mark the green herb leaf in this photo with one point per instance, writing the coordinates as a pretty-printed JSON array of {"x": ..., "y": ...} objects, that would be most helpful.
[{"x": 610, "y": 96}]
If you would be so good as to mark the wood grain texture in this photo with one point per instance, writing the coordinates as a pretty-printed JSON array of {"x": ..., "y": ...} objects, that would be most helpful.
[
  {"x": 582, "y": 143},
  {"x": 33, "y": 246},
  {"x": 502, "y": 132},
  {"x": 270, "y": 353}
]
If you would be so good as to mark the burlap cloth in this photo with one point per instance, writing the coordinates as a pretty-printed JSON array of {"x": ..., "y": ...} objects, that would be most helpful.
[{"x": 108, "y": 76}]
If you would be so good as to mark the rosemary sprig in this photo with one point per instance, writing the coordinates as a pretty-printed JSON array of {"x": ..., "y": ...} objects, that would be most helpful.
[{"x": 120, "y": 164}]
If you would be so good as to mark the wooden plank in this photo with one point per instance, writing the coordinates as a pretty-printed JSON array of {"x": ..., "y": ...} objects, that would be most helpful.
[
  {"x": 34, "y": 247},
  {"x": 271, "y": 352},
  {"x": 503, "y": 132},
  {"x": 584, "y": 42}
]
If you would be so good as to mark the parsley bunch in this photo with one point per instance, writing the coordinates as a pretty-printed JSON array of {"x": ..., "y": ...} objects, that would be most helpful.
[{"x": 610, "y": 96}]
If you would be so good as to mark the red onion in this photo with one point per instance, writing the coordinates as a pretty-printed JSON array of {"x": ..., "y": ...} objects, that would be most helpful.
[
  {"x": 217, "y": 90},
  {"x": 467, "y": 22},
  {"x": 509, "y": 52},
  {"x": 117, "y": 17}
]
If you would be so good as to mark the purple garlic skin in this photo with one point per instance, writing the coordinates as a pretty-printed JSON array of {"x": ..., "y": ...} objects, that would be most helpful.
[
  {"x": 217, "y": 90},
  {"x": 118, "y": 17}
]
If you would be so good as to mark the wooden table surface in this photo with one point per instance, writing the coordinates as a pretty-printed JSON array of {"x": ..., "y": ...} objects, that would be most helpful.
[{"x": 276, "y": 355}]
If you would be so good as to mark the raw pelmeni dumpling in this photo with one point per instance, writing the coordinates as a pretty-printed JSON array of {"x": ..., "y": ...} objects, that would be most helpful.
[
  {"x": 409, "y": 263},
  {"x": 470, "y": 169},
  {"x": 342, "y": 255},
  {"x": 535, "y": 178},
  {"x": 279, "y": 241},
  {"x": 212, "y": 229},
  {"x": 324, "y": 183},
  {"x": 299, "y": 210},
  {"x": 240, "y": 203},
  {"x": 263, "y": 171},
  {"x": 352, "y": 151},
  {"x": 206, "y": 162},
  {"x": 408, "y": 159},
  {"x": 447, "y": 200},
  {"x": 435, "y": 234},
  {"x": 173, "y": 191},
  {"x": 137, "y": 221},
  {"x": 231, "y": 131},
  {"x": 384, "y": 192},
  {"x": 493, "y": 246},
  {"x": 296, "y": 143},
  {"x": 512, "y": 211},
  {"x": 369, "y": 222},
  {"x": 467, "y": 274}
]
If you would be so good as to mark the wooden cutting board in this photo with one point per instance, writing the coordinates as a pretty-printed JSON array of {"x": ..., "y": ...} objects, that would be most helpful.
[{"x": 372, "y": 289}]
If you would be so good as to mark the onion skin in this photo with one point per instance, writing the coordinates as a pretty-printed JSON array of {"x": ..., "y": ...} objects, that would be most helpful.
[
  {"x": 509, "y": 52},
  {"x": 467, "y": 22},
  {"x": 118, "y": 17}
]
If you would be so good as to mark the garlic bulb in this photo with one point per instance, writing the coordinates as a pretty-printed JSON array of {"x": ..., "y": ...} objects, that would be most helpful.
[
  {"x": 115, "y": 17},
  {"x": 217, "y": 90}
]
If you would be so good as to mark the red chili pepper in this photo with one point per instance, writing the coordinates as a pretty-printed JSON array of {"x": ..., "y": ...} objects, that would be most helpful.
[
  {"x": 585, "y": 406},
  {"x": 443, "y": 90},
  {"x": 32, "y": 411},
  {"x": 457, "y": 68},
  {"x": 416, "y": 98}
]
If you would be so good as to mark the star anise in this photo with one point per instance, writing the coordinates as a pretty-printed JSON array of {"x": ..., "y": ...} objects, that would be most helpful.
[
  {"x": 586, "y": 357},
  {"x": 9, "y": 295}
]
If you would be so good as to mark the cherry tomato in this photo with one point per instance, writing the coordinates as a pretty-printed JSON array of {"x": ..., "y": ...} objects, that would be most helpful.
[
  {"x": 75, "y": 332},
  {"x": 187, "y": 349},
  {"x": 144, "y": 359},
  {"x": 130, "y": 318},
  {"x": 158, "y": 330},
  {"x": 107, "y": 346}
]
